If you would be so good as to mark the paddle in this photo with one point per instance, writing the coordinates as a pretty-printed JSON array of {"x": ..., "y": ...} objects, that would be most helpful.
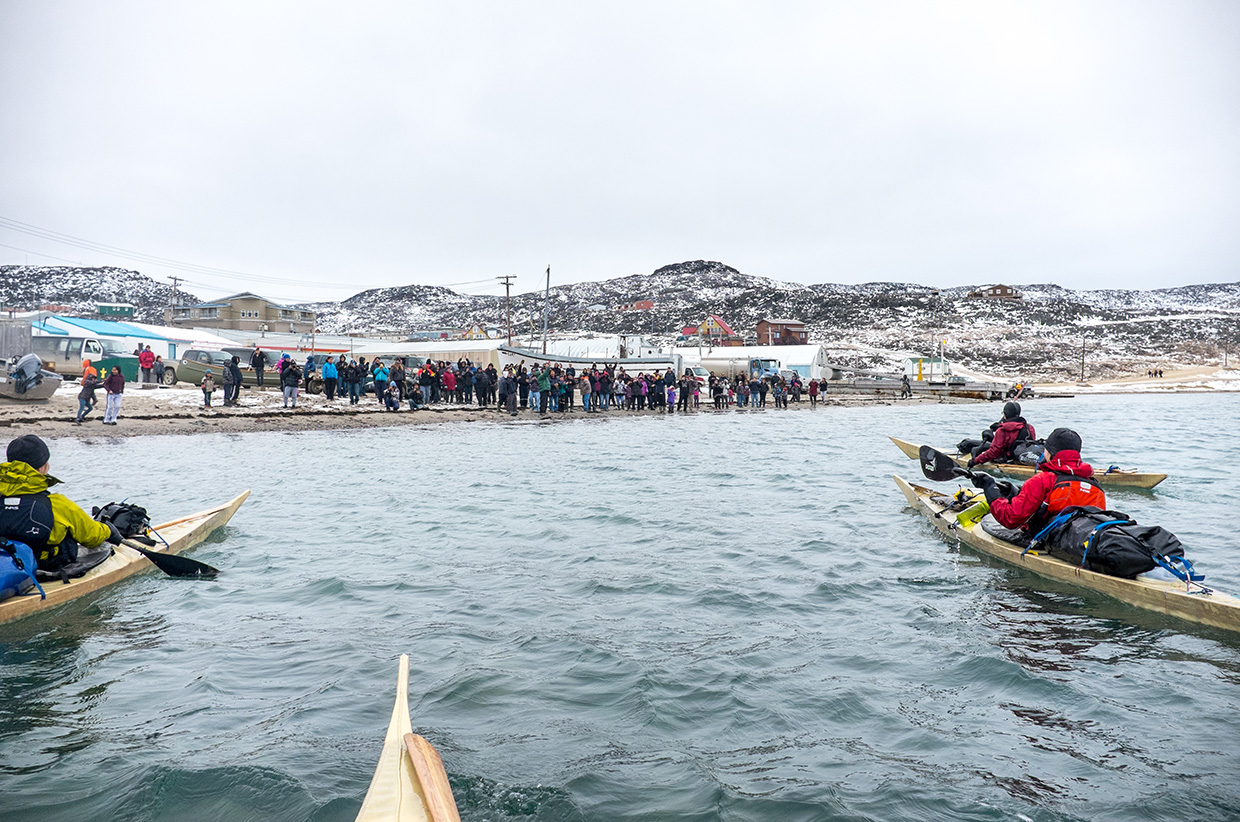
[
  {"x": 173, "y": 565},
  {"x": 939, "y": 467}
]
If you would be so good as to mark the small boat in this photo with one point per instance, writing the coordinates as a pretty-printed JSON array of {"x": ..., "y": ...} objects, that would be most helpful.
[
  {"x": 1111, "y": 478},
  {"x": 180, "y": 534},
  {"x": 1201, "y": 604},
  {"x": 26, "y": 379},
  {"x": 409, "y": 782}
]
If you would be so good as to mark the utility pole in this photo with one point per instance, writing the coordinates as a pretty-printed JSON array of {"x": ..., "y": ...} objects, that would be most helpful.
[
  {"x": 507, "y": 280},
  {"x": 546, "y": 308},
  {"x": 172, "y": 309},
  {"x": 1082, "y": 357}
]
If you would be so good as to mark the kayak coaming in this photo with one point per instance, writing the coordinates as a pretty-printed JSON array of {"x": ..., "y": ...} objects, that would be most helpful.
[
  {"x": 409, "y": 783},
  {"x": 1214, "y": 608},
  {"x": 181, "y": 535},
  {"x": 1112, "y": 479}
]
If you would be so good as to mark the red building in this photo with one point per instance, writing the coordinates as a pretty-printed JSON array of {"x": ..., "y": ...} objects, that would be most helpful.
[{"x": 782, "y": 332}]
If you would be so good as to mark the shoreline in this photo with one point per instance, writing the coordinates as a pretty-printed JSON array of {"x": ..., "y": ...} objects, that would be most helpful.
[{"x": 178, "y": 411}]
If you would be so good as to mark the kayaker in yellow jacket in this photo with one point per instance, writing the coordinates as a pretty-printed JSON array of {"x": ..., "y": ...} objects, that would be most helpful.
[{"x": 43, "y": 520}]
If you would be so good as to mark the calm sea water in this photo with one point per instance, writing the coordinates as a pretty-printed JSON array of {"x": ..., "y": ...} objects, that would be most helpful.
[{"x": 707, "y": 617}]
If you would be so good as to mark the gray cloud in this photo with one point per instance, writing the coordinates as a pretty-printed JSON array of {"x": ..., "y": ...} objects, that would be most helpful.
[{"x": 335, "y": 147}]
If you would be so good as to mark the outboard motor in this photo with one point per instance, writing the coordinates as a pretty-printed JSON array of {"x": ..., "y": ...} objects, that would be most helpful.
[{"x": 27, "y": 373}]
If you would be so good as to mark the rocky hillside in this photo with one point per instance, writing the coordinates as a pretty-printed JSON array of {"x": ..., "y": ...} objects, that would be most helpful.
[
  {"x": 33, "y": 286},
  {"x": 871, "y": 325}
]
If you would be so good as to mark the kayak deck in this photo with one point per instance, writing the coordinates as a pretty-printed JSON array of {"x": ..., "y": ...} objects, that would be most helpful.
[
  {"x": 1108, "y": 479},
  {"x": 1209, "y": 608},
  {"x": 410, "y": 783},
  {"x": 181, "y": 535}
]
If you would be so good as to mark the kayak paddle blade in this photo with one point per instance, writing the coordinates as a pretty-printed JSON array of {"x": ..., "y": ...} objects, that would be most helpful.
[
  {"x": 176, "y": 566},
  {"x": 938, "y": 466}
]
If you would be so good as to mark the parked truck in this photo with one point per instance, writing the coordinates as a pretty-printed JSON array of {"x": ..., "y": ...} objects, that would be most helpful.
[{"x": 64, "y": 355}]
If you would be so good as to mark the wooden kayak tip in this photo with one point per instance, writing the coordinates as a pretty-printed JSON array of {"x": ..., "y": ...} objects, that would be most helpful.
[{"x": 428, "y": 765}]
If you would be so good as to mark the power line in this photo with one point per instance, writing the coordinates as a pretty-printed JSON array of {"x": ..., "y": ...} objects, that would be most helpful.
[
  {"x": 91, "y": 245},
  {"x": 176, "y": 265}
]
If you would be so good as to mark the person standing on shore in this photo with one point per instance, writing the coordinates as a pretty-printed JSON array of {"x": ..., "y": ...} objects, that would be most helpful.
[
  {"x": 586, "y": 389},
  {"x": 309, "y": 371},
  {"x": 381, "y": 380},
  {"x": 159, "y": 369},
  {"x": 208, "y": 387},
  {"x": 353, "y": 380},
  {"x": 813, "y": 393},
  {"x": 228, "y": 382},
  {"x": 86, "y": 397},
  {"x": 508, "y": 392},
  {"x": 290, "y": 382},
  {"x": 146, "y": 361},
  {"x": 114, "y": 386},
  {"x": 329, "y": 378},
  {"x": 233, "y": 368},
  {"x": 906, "y": 392},
  {"x": 396, "y": 377},
  {"x": 258, "y": 361}
]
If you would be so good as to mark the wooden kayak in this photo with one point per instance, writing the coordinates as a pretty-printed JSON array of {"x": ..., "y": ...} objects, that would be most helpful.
[
  {"x": 410, "y": 784},
  {"x": 1117, "y": 478},
  {"x": 1203, "y": 605},
  {"x": 181, "y": 535}
]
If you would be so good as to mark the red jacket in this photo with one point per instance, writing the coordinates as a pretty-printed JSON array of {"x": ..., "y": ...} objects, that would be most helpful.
[
  {"x": 146, "y": 359},
  {"x": 1020, "y": 509},
  {"x": 1005, "y": 436}
]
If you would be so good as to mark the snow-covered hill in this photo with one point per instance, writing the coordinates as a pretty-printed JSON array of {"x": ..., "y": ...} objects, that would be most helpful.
[
  {"x": 873, "y": 325},
  {"x": 33, "y": 286}
]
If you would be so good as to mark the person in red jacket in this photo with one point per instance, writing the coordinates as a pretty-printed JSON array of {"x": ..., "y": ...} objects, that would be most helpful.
[
  {"x": 1061, "y": 481},
  {"x": 1011, "y": 430},
  {"x": 146, "y": 361}
]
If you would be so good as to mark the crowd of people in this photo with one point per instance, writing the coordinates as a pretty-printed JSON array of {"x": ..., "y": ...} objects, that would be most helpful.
[{"x": 543, "y": 387}]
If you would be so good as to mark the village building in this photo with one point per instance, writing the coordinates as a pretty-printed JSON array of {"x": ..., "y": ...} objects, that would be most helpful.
[
  {"x": 713, "y": 330},
  {"x": 781, "y": 332},
  {"x": 995, "y": 292},
  {"x": 243, "y": 312}
]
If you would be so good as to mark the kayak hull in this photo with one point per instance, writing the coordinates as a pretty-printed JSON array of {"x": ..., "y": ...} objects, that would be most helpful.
[
  {"x": 410, "y": 783},
  {"x": 1214, "y": 608},
  {"x": 1113, "y": 479},
  {"x": 181, "y": 535}
]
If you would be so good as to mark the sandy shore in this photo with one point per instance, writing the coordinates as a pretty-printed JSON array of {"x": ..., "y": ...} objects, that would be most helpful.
[
  {"x": 164, "y": 410},
  {"x": 1203, "y": 379}
]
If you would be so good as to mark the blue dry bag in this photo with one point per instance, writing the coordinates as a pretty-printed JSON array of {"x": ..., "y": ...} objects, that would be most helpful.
[{"x": 17, "y": 567}]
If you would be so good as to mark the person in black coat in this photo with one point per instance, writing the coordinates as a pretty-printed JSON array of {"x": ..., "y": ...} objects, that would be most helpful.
[{"x": 258, "y": 361}]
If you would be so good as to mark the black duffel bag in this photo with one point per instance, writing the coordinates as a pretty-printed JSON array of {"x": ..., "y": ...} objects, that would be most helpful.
[
  {"x": 966, "y": 445},
  {"x": 131, "y": 520},
  {"x": 1109, "y": 542}
]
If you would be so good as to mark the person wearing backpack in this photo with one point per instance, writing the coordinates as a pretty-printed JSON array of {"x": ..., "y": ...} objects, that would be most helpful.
[
  {"x": 1011, "y": 431},
  {"x": 1060, "y": 481},
  {"x": 51, "y": 524}
]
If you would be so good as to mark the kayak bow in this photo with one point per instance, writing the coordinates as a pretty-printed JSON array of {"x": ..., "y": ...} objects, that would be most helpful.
[{"x": 409, "y": 782}]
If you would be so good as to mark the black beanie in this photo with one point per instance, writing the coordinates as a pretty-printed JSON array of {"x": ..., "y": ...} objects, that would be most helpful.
[
  {"x": 1011, "y": 410},
  {"x": 1063, "y": 439},
  {"x": 30, "y": 450}
]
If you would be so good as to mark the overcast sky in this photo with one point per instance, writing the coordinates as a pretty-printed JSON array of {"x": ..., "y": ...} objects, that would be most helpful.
[{"x": 323, "y": 148}]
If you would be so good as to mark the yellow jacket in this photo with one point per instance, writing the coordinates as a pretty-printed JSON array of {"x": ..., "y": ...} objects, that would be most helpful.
[{"x": 19, "y": 479}]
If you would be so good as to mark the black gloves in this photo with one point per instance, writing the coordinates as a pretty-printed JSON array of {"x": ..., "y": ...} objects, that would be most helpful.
[
  {"x": 114, "y": 536},
  {"x": 989, "y": 487},
  {"x": 971, "y": 462}
]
